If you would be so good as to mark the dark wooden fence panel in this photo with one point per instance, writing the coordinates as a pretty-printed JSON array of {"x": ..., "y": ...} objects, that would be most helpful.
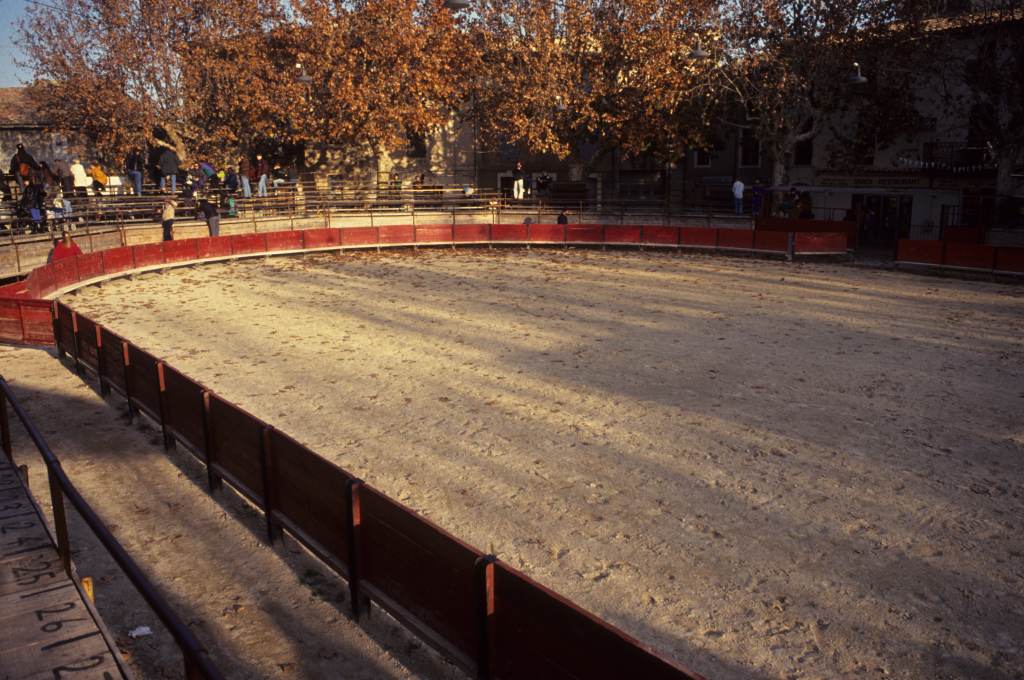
[
  {"x": 539, "y": 634},
  {"x": 145, "y": 386},
  {"x": 65, "y": 329},
  {"x": 310, "y": 494},
  {"x": 415, "y": 568},
  {"x": 235, "y": 438},
  {"x": 113, "y": 359},
  {"x": 183, "y": 409},
  {"x": 88, "y": 350}
]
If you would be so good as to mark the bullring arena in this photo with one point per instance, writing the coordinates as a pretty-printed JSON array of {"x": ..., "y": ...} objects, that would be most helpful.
[{"x": 758, "y": 469}]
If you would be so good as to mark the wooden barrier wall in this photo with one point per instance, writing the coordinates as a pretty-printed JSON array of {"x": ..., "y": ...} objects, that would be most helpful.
[
  {"x": 484, "y": 615},
  {"x": 23, "y": 321},
  {"x": 972, "y": 256}
]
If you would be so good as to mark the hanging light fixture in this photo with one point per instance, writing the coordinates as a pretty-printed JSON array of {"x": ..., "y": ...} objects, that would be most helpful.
[{"x": 699, "y": 52}]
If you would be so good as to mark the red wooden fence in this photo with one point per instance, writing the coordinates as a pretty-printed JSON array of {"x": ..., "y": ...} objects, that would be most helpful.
[{"x": 23, "y": 320}]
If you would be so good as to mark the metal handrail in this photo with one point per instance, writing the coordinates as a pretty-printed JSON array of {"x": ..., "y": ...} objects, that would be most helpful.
[{"x": 197, "y": 661}]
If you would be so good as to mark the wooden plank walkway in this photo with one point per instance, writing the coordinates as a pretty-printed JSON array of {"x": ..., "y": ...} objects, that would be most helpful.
[{"x": 47, "y": 629}]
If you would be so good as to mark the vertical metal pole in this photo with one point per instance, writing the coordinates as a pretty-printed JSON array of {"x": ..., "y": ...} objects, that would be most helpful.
[
  {"x": 162, "y": 405},
  {"x": 5, "y": 427},
  {"x": 55, "y": 317},
  {"x": 127, "y": 361},
  {"x": 213, "y": 480},
  {"x": 354, "y": 546},
  {"x": 60, "y": 519},
  {"x": 267, "y": 474},
  {"x": 790, "y": 246},
  {"x": 485, "y": 599},
  {"x": 101, "y": 363},
  {"x": 74, "y": 335}
]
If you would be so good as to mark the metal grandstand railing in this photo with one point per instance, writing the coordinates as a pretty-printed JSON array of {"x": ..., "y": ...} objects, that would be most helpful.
[{"x": 196, "y": 659}]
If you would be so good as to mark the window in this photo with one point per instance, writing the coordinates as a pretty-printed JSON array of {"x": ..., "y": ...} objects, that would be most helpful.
[
  {"x": 750, "y": 149},
  {"x": 702, "y": 158}
]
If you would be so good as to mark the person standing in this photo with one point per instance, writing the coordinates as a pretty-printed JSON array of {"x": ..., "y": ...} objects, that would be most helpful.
[
  {"x": 63, "y": 171},
  {"x": 737, "y": 195},
  {"x": 22, "y": 166},
  {"x": 167, "y": 217},
  {"x": 209, "y": 211},
  {"x": 99, "y": 178},
  {"x": 169, "y": 165},
  {"x": 134, "y": 165},
  {"x": 64, "y": 248},
  {"x": 563, "y": 218},
  {"x": 80, "y": 178},
  {"x": 263, "y": 173},
  {"x": 518, "y": 182},
  {"x": 244, "y": 170}
]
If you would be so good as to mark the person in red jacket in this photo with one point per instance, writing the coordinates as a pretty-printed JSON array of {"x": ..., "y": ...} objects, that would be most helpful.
[{"x": 64, "y": 249}]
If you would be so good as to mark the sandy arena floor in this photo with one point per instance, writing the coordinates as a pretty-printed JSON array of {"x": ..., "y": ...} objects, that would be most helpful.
[{"x": 763, "y": 470}]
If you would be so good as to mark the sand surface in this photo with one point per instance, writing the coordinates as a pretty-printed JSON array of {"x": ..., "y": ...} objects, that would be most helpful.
[
  {"x": 764, "y": 470},
  {"x": 262, "y": 612}
]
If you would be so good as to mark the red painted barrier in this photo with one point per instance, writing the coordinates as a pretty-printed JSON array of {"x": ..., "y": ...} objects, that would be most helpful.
[
  {"x": 213, "y": 247},
  {"x": 699, "y": 237},
  {"x": 65, "y": 272},
  {"x": 284, "y": 240},
  {"x": 37, "y": 322},
  {"x": 736, "y": 238},
  {"x": 90, "y": 266},
  {"x": 661, "y": 235},
  {"x": 820, "y": 243},
  {"x": 10, "y": 320},
  {"x": 776, "y": 241},
  {"x": 920, "y": 252},
  {"x": 433, "y": 233},
  {"x": 395, "y": 234},
  {"x": 969, "y": 255},
  {"x": 465, "y": 233},
  {"x": 547, "y": 233},
  {"x": 117, "y": 260},
  {"x": 810, "y": 226},
  {"x": 1010, "y": 260},
  {"x": 321, "y": 238},
  {"x": 148, "y": 254},
  {"x": 584, "y": 233},
  {"x": 359, "y": 236},
  {"x": 622, "y": 233},
  {"x": 248, "y": 243},
  {"x": 508, "y": 232},
  {"x": 180, "y": 251}
]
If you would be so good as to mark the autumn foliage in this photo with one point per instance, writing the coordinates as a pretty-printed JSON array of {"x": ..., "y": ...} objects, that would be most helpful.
[{"x": 213, "y": 77}]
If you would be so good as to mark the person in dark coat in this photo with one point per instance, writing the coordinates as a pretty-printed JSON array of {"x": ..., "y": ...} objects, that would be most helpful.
[
  {"x": 169, "y": 165},
  {"x": 22, "y": 166},
  {"x": 209, "y": 211},
  {"x": 134, "y": 166}
]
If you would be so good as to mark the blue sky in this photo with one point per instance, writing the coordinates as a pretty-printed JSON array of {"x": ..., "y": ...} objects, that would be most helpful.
[{"x": 10, "y": 12}]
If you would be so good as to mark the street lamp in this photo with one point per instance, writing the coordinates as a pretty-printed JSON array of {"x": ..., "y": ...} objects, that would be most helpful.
[
  {"x": 303, "y": 77},
  {"x": 699, "y": 52}
]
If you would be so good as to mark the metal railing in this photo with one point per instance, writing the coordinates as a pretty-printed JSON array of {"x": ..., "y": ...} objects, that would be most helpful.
[{"x": 196, "y": 658}]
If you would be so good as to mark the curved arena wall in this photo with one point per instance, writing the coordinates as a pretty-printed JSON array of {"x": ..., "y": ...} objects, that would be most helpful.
[{"x": 26, "y": 316}]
